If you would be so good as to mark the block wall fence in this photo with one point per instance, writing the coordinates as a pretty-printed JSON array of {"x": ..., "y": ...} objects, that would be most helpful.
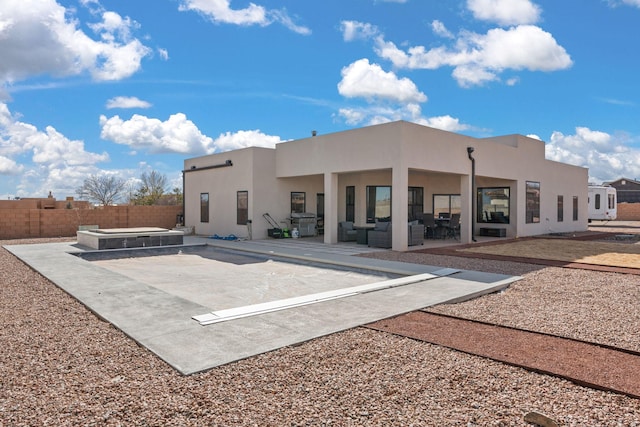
[
  {"x": 32, "y": 223},
  {"x": 628, "y": 212}
]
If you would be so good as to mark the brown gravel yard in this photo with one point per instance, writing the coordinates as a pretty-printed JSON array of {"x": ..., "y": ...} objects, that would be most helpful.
[
  {"x": 61, "y": 365},
  {"x": 587, "y": 252}
]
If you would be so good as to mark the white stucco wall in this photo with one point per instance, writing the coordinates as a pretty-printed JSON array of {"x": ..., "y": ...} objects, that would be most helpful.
[
  {"x": 402, "y": 153},
  {"x": 253, "y": 170}
]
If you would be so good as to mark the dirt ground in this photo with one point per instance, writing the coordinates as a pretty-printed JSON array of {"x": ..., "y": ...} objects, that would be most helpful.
[{"x": 611, "y": 253}]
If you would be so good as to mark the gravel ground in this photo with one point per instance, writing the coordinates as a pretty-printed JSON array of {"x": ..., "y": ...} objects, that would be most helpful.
[{"x": 62, "y": 366}]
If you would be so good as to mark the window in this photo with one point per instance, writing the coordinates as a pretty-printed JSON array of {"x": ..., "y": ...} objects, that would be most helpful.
[
  {"x": 298, "y": 202},
  {"x": 320, "y": 212},
  {"x": 416, "y": 202},
  {"x": 597, "y": 201},
  {"x": 493, "y": 205},
  {"x": 446, "y": 204},
  {"x": 320, "y": 205},
  {"x": 560, "y": 208},
  {"x": 351, "y": 204},
  {"x": 533, "y": 202},
  {"x": 575, "y": 208},
  {"x": 242, "y": 212},
  {"x": 612, "y": 200},
  {"x": 378, "y": 203},
  {"x": 204, "y": 207}
]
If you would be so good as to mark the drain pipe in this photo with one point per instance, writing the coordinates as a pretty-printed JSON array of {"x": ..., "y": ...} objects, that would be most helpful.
[
  {"x": 473, "y": 192},
  {"x": 183, "y": 201}
]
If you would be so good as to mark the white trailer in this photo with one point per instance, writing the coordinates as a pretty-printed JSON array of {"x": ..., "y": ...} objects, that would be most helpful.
[{"x": 603, "y": 203}]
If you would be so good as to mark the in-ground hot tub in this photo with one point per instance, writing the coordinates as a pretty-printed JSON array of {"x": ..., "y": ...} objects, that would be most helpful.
[{"x": 119, "y": 238}]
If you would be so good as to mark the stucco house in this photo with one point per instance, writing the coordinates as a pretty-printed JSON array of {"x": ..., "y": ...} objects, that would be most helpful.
[{"x": 389, "y": 172}]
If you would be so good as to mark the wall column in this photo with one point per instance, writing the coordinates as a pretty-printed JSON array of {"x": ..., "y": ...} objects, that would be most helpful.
[
  {"x": 330, "y": 208},
  {"x": 399, "y": 208},
  {"x": 465, "y": 209}
]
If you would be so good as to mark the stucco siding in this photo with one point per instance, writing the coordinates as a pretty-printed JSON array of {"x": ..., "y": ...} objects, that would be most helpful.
[{"x": 398, "y": 154}]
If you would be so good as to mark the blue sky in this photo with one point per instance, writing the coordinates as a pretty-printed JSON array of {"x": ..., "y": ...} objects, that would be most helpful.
[{"x": 123, "y": 87}]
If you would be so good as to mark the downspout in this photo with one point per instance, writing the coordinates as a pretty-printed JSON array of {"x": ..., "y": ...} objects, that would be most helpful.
[
  {"x": 183, "y": 201},
  {"x": 473, "y": 192}
]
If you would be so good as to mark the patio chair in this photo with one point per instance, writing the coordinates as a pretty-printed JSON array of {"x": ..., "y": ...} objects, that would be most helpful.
[
  {"x": 380, "y": 236},
  {"x": 453, "y": 229},
  {"x": 346, "y": 232},
  {"x": 416, "y": 234},
  {"x": 430, "y": 225}
]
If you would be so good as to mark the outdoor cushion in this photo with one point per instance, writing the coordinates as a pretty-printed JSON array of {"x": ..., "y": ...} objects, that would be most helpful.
[{"x": 382, "y": 226}]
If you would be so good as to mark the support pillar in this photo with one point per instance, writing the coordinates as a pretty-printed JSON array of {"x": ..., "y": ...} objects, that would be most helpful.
[
  {"x": 330, "y": 208},
  {"x": 466, "y": 210},
  {"x": 399, "y": 208}
]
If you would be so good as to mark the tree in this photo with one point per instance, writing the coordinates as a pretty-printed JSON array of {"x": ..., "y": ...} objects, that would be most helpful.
[
  {"x": 177, "y": 192},
  {"x": 151, "y": 189},
  {"x": 102, "y": 189}
]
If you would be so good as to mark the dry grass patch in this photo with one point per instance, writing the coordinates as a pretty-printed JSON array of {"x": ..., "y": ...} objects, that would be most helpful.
[{"x": 586, "y": 252}]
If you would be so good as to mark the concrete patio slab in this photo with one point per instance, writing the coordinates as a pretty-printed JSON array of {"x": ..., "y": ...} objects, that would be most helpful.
[{"x": 161, "y": 320}]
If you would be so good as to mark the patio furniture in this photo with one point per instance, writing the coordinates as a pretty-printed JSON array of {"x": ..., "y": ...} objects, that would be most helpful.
[
  {"x": 430, "y": 225},
  {"x": 346, "y": 232},
  {"x": 453, "y": 228},
  {"x": 380, "y": 236},
  {"x": 416, "y": 234},
  {"x": 363, "y": 233}
]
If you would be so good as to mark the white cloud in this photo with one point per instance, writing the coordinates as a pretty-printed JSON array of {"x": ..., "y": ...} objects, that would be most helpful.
[
  {"x": 354, "y": 30},
  {"x": 376, "y": 114},
  {"x": 164, "y": 54},
  {"x": 57, "y": 162},
  {"x": 49, "y": 147},
  {"x": 370, "y": 81},
  {"x": 352, "y": 116},
  {"x": 176, "y": 135},
  {"x": 615, "y": 3},
  {"x": 127, "y": 102},
  {"x": 505, "y": 12},
  {"x": 10, "y": 167},
  {"x": 220, "y": 11},
  {"x": 608, "y": 157},
  {"x": 446, "y": 122},
  {"x": 479, "y": 58},
  {"x": 283, "y": 18},
  {"x": 54, "y": 149},
  {"x": 440, "y": 30},
  {"x": 245, "y": 138},
  {"x": 389, "y": 98},
  {"x": 36, "y": 37}
]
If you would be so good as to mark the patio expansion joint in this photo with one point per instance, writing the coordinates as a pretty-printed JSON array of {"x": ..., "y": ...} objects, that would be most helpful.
[{"x": 283, "y": 304}]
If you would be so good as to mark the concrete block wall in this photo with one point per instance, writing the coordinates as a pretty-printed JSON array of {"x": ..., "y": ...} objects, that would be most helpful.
[
  {"x": 628, "y": 212},
  {"x": 32, "y": 223},
  {"x": 15, "y": 223}
]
